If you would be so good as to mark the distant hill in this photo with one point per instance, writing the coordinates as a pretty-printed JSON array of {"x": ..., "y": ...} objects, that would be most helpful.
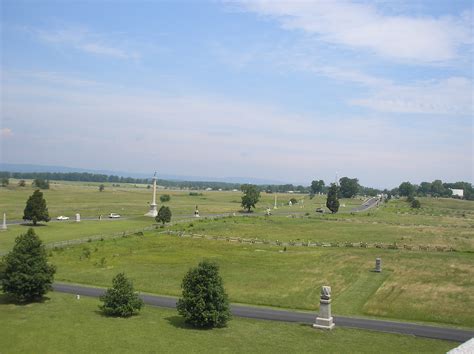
[{"x": 50, "y": 168}]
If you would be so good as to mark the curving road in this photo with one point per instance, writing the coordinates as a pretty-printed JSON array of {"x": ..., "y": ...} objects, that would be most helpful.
[{"x": 453, "y": 334}]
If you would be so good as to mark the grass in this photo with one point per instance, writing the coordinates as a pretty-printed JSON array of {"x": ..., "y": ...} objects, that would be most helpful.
[
  {"x": 418, "y": 286},
  {"x": 70, "y": 230},
  {"x": 334, "y": 228},
  {"x": 63, "y": 324}
]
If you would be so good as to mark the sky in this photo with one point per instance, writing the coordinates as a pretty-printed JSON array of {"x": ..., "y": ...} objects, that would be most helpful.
[{"x": 290, "y": 91}]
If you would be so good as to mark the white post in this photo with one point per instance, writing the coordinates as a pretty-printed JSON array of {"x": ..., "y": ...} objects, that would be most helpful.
[
  {"x": 275, "y": 206},
  {"x": 78, "y": 217},
  {"x": 4, "y": 225}
]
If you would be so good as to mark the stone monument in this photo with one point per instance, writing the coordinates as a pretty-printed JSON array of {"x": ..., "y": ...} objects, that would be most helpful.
[
  {"x": 275, "y": 206},
  {"x": 4, "y": 225},
  {"x": 196, "y": 212},
  {"x": 324, "y": 319},
  {"x": 153, "y": 212},
  {"x": 378, "y": 265},
  {"x": 78, "y": 217}
]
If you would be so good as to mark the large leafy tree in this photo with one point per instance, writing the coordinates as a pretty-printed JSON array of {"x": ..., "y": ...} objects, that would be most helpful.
[
  {"x": 250, "y": 197},
  {"x": 204, "y": 302},
  {"x": 332, "y": 201},
  {"x": 36, "y": 209},
  {"x": 26, "y": 273},
  {"x": 348, "y": 187},
  {"x": 164, "y": 215},
  {"x": 317, "y": 186},
  {"x": 121, "y": 300},
  {"x": 406, "y": 189}
]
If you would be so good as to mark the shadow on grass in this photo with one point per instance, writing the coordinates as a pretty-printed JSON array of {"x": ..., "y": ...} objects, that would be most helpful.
[
  {"x": 7, "y": 299},
  {"x": 178, "y": 322},
  {"x": 30, "y": 224}
]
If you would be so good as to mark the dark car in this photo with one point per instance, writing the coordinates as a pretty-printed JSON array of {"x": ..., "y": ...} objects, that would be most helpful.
[{"x": 320, "y": 210}]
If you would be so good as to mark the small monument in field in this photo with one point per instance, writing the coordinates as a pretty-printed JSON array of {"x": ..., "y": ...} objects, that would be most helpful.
[
  {"x": 153, "y": 212},
  {"x": 378, "y": 265},
  {"x": 4, "y": 224},
  {"x": 78, "y": 217},
  {"x": 275, "y": 206},
  {"x": 196, "y": 212},
  {"x": 324, "y": 319}
]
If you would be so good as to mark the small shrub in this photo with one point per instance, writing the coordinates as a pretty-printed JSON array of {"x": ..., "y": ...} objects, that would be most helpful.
[
  {"x": 165, "y": 198},
  {"x": 121, "y": 300}
]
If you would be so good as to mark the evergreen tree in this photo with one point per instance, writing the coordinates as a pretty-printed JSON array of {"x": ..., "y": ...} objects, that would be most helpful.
[
  {"x": 332, "y": 201},
  {"x": 36, "y": 209},
  {"x": 121, "y": 300},
  {"x": 204, "y": 302},
  {"x": 164, "y": 215},
  {"x": 26, "y": 273}
]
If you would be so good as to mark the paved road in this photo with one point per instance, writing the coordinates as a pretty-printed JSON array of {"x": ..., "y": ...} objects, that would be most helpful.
[
  {"x": 367, "y": 205},
  {"x": 452, "y": 334}
]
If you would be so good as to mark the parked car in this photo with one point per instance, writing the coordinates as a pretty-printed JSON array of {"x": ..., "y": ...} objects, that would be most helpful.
[
  {"x": 320, "y": 210},
  {"x": 62, "y": 217},
  {"x": 114, "y": 215}
]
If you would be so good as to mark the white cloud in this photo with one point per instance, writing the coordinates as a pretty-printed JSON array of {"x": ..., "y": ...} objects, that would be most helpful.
[
  {"x": 218, "y": 135},
  {"x": 362, "y": 26},
  {"x": 87, "y": 41}
]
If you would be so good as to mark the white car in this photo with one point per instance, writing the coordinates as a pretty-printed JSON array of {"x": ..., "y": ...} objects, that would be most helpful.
[
  {"x": 114, "y": 215},
  {"x": 62, "y": 217}
]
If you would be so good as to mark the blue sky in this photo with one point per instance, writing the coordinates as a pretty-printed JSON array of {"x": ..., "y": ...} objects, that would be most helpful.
[{"x": 290, "y": 91}]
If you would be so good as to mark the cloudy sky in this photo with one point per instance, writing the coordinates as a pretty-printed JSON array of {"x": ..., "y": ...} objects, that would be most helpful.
[{"x": 282, "y": 90}]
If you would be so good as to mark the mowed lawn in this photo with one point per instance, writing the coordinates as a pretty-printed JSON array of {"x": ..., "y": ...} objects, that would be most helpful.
[
  {"x": 415, "y": 285},
  {"x": 63, "y": 324}
]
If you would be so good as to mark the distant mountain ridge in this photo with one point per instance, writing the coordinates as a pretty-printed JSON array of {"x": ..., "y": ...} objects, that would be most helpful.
[{"x": 51, "y": 168}]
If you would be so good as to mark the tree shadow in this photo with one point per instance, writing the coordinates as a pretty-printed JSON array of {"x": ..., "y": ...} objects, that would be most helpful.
[
  {"x": 178, "y": 322},
  {"x": 7, "y": 299},
  {"x": 30, "y": 224}
]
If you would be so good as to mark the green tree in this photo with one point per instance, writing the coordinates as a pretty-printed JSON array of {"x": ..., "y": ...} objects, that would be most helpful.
[
  {"x": 26, "y": 273},
  {"x": 22, "y": 183},
  {"x": 348, "y": 187},
  {"x": 332, "y": 202},
  {"x": 5, "y": 181},
  {"x": 164, "y": 215},
  {"x": 121, "y": 300},
  {"x": 165, "y": 198},
  {"x": 36, "y": 209},
  {"x": 317, "y": 187},
  {"x": 204, "y": 302},
  {"x": 425, "y": 188},
  {"x": 415, "y": 204},
  {"x": 101, "y": 188},
  {"x": 41, "y": 183},
  {"x": 250, "y": 197},
  {"x": 406, "y": 189}
]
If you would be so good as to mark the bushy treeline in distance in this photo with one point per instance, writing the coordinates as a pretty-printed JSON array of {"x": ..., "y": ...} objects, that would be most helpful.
[{"x": 348, "y": 187}]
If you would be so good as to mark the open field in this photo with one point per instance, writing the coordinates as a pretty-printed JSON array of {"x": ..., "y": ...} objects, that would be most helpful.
[
  {"x": 441, "y": 283},
  {"x": 69, "y": 198},
  {"x": 64, "y": 324}
]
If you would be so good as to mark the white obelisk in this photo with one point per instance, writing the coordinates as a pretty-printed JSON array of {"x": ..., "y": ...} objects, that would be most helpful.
[
  {"x": 4, "y": 225},
  {"x": 153, "y": 212},
  {"x": 275, "y": 206}
]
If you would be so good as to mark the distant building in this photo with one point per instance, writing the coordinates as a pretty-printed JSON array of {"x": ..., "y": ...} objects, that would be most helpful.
[{"x": 457, "y": 192}]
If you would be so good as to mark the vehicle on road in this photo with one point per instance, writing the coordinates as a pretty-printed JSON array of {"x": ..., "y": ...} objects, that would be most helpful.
[
  {"x": 114, "y": 216},
  {"x": 320, "y": 210},
  {"x": 62, "y": 217}
]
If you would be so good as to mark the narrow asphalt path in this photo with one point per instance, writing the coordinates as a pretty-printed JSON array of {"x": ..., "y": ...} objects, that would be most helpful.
[
  {"x": 453, "y": 334},
  {"x": 367, "y": 205}
]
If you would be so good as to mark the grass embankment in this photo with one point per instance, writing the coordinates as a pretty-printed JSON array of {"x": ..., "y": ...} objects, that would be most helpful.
[
  {"x": 419, "y": 286},
  {"x": 63, "y": 324}
]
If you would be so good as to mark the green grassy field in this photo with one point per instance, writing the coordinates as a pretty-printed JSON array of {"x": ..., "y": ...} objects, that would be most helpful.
[
  {"x": 265, "y": 275},
  {"x": 63, "y": 324}
]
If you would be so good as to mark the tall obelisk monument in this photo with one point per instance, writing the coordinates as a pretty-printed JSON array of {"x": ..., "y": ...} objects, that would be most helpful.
[{"x": 153, "y": 212}]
